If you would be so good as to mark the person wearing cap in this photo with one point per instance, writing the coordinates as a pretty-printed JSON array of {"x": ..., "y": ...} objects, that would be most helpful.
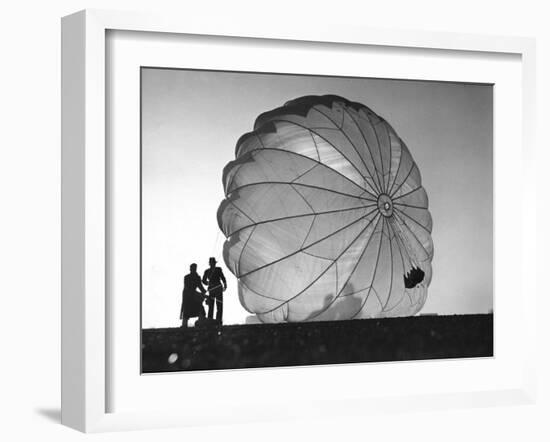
[{"x": 215, "y": 279}]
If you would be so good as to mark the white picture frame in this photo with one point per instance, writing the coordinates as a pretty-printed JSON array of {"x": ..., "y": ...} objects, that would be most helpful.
[{"x": 86, "y": 315}]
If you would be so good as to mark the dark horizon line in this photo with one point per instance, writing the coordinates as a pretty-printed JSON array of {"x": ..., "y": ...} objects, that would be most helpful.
[{"x": 419, "y": 315}]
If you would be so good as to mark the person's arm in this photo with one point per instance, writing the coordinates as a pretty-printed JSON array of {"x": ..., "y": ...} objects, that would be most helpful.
[
  {"x": 222, "y": 277},
  {"x": 204, "y": 277},
  {"x": 201, "y": 287}
]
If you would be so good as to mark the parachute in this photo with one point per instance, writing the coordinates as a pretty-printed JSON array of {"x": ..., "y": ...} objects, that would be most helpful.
[{"x": 325, "y": 216}]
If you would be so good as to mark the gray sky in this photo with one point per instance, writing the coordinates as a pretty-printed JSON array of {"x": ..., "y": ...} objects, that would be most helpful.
[{"x": 191, "y": 121}]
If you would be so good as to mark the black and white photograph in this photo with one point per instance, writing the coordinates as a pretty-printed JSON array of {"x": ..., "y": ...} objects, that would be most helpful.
[{"x": 294, "y": 220}]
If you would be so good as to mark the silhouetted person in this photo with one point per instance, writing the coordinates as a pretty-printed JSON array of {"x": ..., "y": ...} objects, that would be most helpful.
[
  {"x": 191, "y": 303},
  {"x": 217, "y": 284}
]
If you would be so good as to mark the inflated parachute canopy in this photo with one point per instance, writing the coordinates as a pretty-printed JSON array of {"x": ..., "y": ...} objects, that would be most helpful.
[{"x": 325, "y": 215}]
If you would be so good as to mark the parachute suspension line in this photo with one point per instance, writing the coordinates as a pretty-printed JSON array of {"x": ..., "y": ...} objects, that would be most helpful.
[
  {"x": 391, "y": 262},
  {"x": 328, "y": 268},
  {"x": 411, "y": 206},
  {"x": 407, "y": 194},
  {"x": 316, "y": 148},
  {"x": 238, "y": 273},
  {"x": 216, "y": 244},
  {"x": 303, "y": 198},
  {"x": 320, "y": 164},
  {"x": 379, "y": 151},
  {"x": 414, "y": 259},
  {"x": 403, "y": 223},
  {"x": 388, "y": 173},
  {"x": 390, "y": 188},
  {"x": 399, "y": 223},
  {"x": 306, "y": 172},
  {"x": 378, "y": 189},
  {"x": 403, "y": 182},
  {"x": 328, "y": 142},
  {"x": 387, "y": 129},
  {"x": 373, "y": 278},
  {"x": 397, "y": 239},
  {"x": 414, "y": 220},
  {"x": 339, "y": 294},
  {"x": 312, "y": 244},
  {"x": 313, "y": 218},
  {"x": 308, "y": 186},
  {"x": 370, "y": 288},
  {"x": 305, "y": 215}
]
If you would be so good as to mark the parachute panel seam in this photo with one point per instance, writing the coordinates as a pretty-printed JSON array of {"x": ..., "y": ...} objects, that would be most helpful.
[
  {"x": 378, "y": 189},
  {"x": 329, "y": 143},
  {"x": 404, "y": 181},
  {"x": 311, "y": 186},
  {"x": 407, "y": 194},
  {"x": 351, "y": 273},
  {"x": 327, "y": 269},
  {"x": 390, "y": 189},
  {"x": 363, "y": 190},
  {"x": 378, "y": 142},
  {"x": 312, "y": 244},
  {"x": 242, "y": 250},
  {"x": 391, "y": 272},
  {"x": 372, "y": 281},
  {"x": 303, "y": 215},
  {"x": 411, "y": 206},
  {"x": 415, "y": 237}
]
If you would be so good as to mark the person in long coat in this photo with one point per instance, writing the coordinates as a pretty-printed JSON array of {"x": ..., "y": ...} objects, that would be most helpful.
[{"x": 191, "y": 303}]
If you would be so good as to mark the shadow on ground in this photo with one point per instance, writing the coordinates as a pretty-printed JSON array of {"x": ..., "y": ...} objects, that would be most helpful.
[{"x": 51, "y": 414}]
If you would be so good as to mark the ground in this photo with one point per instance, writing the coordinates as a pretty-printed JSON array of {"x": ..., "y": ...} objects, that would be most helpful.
[{"x": 273, "y": 345}]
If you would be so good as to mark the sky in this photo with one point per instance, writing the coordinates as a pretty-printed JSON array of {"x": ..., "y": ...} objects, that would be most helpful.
[{"x": 191, "y": 121}]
